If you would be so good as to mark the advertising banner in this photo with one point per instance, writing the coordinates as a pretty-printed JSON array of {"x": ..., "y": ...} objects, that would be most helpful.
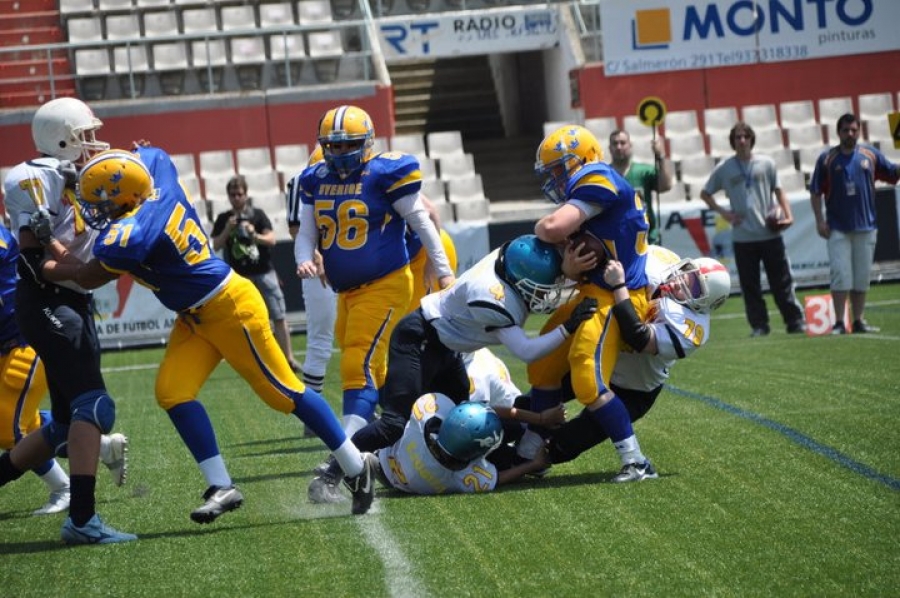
[
  {"x": 646, "y": 36},
  {"x": 493, "y": 31}
]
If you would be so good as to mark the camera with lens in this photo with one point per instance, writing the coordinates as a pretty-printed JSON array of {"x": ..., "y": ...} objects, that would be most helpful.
[{"x": 241, "y": 232}]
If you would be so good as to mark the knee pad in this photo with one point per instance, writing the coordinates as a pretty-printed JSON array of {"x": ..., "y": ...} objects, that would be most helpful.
[
  {"x": 95, "y": 407},
  {"x": 57, "y": 436}
]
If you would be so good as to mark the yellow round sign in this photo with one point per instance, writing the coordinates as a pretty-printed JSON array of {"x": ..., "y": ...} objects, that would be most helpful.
[{"x": 651, "y": 111}]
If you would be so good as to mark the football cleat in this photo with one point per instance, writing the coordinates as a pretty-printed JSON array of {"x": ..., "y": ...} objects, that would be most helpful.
[
  {"x": 218, "y": 502},
  {"x": 636, "y": 472},
  {"x": 114, "y": 454},
  {"x": 839, "y": 328},
  {"x": 325, "y": 487},
  {"x": 93, "y": 532},
  {"x": 57, "y": 503},
  {"x": 362, "y": 486},
  {"x": 863, "y": 327}
]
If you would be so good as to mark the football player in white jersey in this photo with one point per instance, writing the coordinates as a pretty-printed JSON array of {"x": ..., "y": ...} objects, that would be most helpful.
[
  {"x": 444, "y": 447},
  {"x": 57, "y": 318},
  {"x": 487, "y": 305},
  {"x": 686, "y": 292}
]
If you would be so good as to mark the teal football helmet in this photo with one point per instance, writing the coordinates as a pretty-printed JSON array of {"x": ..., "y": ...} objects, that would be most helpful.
[
  {"x": 534, "y": 268},
  {"x": 470, "y": 431}
]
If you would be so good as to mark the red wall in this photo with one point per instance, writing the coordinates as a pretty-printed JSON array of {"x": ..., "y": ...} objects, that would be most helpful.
[
  {"x": 209, "y": 127},
  {"x": 741, "y": 85}
]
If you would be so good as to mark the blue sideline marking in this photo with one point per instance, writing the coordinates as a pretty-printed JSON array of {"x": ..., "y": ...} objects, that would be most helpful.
[{"x": 801, "y": 439}]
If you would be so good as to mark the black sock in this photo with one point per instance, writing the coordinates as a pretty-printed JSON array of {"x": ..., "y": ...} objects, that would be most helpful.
[
  {"x": 81, "y": 509},
  {"x": 8, "y": 471}
]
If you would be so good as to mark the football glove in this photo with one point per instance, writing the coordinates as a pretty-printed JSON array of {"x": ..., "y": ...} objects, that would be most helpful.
[
  {"x": 585, "y": 310},
  {"x": 40, "y": 226}
]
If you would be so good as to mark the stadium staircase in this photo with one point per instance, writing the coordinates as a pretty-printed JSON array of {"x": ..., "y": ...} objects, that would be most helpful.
[{"x": 24, "y": 76}]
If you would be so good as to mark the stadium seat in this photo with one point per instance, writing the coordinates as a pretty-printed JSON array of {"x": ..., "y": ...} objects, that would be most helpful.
[
  {"x": 92, "y": 67},
  {"x": 875, "y": 105},
  {"x": 291, "y": 159},
  {"x": 325, "y": 48},
  {"x": 456, "y": 166},
  {"x": 445, "y": 211},
  {"x": 831, "y": 109},
  {"x": 184, "y": 164},
  {"x": 681, "y": 123},
  {"x": 428, "y": 168},
  {"x": 265, "y": 184},
  {"x": 287, "y": 55},
  {"x": 410, "y": 143},
  {"x": 170, "y": 62},
  {"x": 276, "y": 14},
  {"x": 209, "y": 56},
  {"x": 198, "y": 20},
  {"x": 238, "y": 17},
  {"x": 443, "y": 143},
  {"x": 720, "y": 145},
  {"x": 131, "y": 64},
  {"x": 686, "y": 146},
  {"x": 792, "y": 181},
  {"x": 435, "y": 190},
  {"x": 760, "y": 116},
  {"x": 768, "y": 140},
  {"x": 602, "y": 127},
  {"x": 70, "y": 8},
  {"x": 312, "y": 12},
  {"x": 806, "y": 158},
  {"x": 464, "y": 189},
  {"x": 216, "y": 163},
  {"x": 878, "y": 130},
  {"x": 636, "y": 129},
  {"x": 718, "y": 121},
  {"x": 809, "y": 135},
  {"x": 695, "y": 171},
  {"x": 784, "y": 159},
  {"x": 145, "y": 4},
  {"x": 122, "y": 27},
  {"x": 797, "y": 114},
  {"x": 84, "y": 29},
  {"x": 248, "y": 54},
  {"x": 115, "y": 5},
  {"x": 473, "y": 209},
  {"x": 253, "y": 159},
  {"x": 157, "y": 24}
]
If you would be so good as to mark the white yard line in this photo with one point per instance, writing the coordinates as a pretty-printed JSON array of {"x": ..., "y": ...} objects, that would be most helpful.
[{"x": 399, "y": 573}]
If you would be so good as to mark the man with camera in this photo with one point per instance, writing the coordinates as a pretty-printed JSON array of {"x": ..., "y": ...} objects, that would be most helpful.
[{"x": 246, "y": 235}]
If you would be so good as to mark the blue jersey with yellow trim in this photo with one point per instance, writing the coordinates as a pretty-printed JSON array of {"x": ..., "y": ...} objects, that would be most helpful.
[
  {"x": 9, "y": 255},
  {"x": 622, "y": 226},
  {"x": 361, "y": 236},
  {"x": 162, "y": 243}
]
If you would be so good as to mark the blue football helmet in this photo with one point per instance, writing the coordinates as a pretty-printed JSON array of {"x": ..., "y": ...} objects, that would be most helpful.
[
  {"x": 534, "y": 268},
  {"x": 342, "y": 126},
  {"x": 470, "y": 431}
]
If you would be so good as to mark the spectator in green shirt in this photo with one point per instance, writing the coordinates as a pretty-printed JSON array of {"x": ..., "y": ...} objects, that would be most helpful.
[{"x": 643, "y": 177}]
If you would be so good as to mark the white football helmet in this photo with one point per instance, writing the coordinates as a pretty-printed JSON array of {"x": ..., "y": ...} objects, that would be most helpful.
[
  {"x": 701, "y": 284},
  {"x": 64, "y": 128}
]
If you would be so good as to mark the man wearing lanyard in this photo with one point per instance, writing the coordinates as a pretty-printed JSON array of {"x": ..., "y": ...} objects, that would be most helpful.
[{"x": 759, "y": 212}]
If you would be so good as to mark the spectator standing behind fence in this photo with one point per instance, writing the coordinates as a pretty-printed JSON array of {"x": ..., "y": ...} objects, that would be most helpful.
[
  {"x": 844, "y": 183},
  {"x": 645, "y": 178},
  {"x": 759, "y": 212},
  {"x": 247, "y": 237}
]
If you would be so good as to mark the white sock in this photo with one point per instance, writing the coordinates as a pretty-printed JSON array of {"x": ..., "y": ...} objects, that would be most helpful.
[
  {"x": 630, "y": 451},
  {"x": 349, "y": 458},
  {"x": 352, "y": 423},
  {"x": 215, "y": 472},
  {"x": 56, "y": 479}
]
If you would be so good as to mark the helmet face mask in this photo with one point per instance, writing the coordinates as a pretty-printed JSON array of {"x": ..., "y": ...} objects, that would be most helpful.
[
  {"x": 111, "y": 184},
  {"x": 65, "y": 128},
  {"x": 470, "y": 431},
  {"x": 702, "y": 285},
  {"x": 534, "y": 269},
  {"x": 561, "y": 155},
  {"x": 346, "y": 136}
]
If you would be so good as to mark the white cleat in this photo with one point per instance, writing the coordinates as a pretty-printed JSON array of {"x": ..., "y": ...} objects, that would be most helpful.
[
  {"x": 114, "y": 454},
  {"x": 57, "y": 503}
]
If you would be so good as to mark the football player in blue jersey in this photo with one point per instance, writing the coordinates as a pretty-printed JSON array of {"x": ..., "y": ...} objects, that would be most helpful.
[
  {"x": 149, "y": 230},
  {"x": 595, "y": 199},
  {"x": 356, "y": 206}
]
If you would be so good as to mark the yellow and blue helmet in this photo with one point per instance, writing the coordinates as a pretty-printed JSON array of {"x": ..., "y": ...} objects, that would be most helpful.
[
  {"x": 562, "y": 154},
  {"x": 342, "y": 126},
  {"x": 112, "y": 184}
]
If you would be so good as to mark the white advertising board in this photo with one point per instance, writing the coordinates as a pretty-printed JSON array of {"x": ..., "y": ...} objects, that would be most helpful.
[
  {"x": 493, "y": 31},
  {"x": 646, "y": 36}
]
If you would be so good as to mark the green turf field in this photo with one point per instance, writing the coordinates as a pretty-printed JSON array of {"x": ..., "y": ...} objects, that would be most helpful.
[{"x": 780, "y": 476}]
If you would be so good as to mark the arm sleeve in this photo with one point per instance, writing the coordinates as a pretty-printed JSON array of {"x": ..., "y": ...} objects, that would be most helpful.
[
  {"x": 411, "y": 208},
  {"x": 305, "y": 242},
  {"x": 529, "y": 349}
]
